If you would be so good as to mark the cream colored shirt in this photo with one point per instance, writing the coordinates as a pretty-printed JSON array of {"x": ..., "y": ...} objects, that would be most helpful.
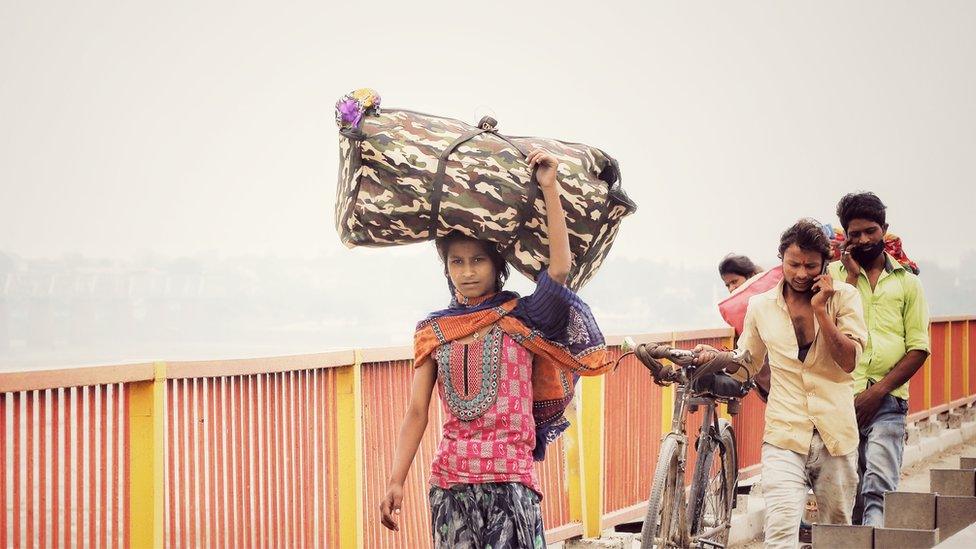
[{"x": 815, "y": 393}]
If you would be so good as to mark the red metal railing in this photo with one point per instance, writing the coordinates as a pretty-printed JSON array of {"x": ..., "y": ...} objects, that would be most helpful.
[
  {"x": 63, "y": 468},
  {"x": 248, "y": 460},
  {"x": 295, "y": 450}
]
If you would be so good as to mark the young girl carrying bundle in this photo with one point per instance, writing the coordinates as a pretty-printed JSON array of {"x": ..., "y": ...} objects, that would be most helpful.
[{"x": 505, "y": 368}]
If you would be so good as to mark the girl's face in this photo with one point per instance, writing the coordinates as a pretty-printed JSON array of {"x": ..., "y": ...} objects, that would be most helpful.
[
  {"x": 470, "y": 269},
  {"x": 733, "y": 281}
]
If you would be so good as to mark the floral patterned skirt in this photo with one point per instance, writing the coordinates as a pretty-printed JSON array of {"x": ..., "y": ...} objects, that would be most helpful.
[{"x": 497, "y": 515}]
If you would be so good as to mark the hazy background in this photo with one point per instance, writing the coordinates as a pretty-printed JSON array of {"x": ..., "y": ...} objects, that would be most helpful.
[{"x": 168, "y": 170}]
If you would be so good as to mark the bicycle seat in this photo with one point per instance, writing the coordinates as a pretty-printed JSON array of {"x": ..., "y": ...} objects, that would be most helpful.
[{"x": 720, "y": 385}]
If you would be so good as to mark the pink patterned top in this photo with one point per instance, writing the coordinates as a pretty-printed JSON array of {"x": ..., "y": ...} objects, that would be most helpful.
[{"x": 486, "y": 392}]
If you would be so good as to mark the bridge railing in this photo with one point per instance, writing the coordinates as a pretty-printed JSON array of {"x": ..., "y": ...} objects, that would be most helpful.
[{"x": 295, "y": 450}]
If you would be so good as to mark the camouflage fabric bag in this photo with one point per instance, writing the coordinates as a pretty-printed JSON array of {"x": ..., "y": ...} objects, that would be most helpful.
[{"x": 407, "y": 177}]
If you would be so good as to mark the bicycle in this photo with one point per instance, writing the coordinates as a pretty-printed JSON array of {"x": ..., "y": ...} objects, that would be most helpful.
[{"x": 705, "y": 519}]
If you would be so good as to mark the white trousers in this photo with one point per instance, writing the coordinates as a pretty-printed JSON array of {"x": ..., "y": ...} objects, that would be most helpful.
[{"x": 786, "y": 477}]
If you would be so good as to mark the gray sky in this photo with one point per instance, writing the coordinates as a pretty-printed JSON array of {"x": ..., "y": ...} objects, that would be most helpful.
[{"x": 189, "y": 127}]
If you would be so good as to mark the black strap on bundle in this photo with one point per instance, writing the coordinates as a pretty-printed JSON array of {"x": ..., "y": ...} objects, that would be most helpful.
[
  {"x": 485, "y": 125},
  {"x": 438, "y": 189},
  {"x": 532, "y": 193}
]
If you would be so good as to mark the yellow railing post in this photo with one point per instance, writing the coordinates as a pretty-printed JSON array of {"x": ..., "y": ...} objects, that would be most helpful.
[
  {"x": 667, "y": 400},
  {"x": 146, "y": 412},
  {"x": 723, "y": 409},
  {"x": 667, "y": 409},
  {"x": 571, "y": 445},
  {"x": 591, "y": 452},
  {"x": 349, "y": 409}
]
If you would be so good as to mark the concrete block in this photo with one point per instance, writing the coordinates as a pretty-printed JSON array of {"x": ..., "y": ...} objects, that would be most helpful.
[
  {"x": 967, "y": 462},
  {"x": 942, "y": 441},
  {"x": 968, "y": 431},
  {"x": 912, "y": 434},
  {"x": 953, "y": 482},
  {"x": 741, "y": 504},
  {"x": 928, "y": 427},
  {"x": 950, "y": 438},
  {"x": 830, "y": 536},
  {"x": 595, "y": 543},
  {"x": 968, "y": 413},
  {"x": 613, "y": 534},
  {"x": 898, "y": 538},
  {"x": 912, "y": 455},
  {"x": 954, "y": 421},
  {"x": 954, "y": 513},
  {"x": 626, "y": 538},
  {"x": 749, "y": 525},
  {"x": 911, "y": 510},
  {"x": 929, "y": 447}
]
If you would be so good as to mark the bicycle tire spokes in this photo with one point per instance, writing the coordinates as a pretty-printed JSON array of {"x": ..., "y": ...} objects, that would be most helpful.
[{"x": 713, "y": 486}]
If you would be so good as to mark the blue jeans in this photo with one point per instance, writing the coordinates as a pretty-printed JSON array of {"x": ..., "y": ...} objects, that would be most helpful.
[{"x": 879, "y": 460}]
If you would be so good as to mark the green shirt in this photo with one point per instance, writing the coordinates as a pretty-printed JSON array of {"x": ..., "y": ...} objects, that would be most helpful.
[{"x": 897, "y": 317}]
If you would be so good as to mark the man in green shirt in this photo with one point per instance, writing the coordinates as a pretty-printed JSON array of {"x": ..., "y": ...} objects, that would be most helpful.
[{"x": 898, "y": 343}]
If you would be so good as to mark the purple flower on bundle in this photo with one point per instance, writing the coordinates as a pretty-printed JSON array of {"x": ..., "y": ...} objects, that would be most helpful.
[{"x": 350, "y": 112}]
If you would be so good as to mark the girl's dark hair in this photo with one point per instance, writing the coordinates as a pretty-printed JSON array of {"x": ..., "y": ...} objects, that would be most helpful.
[
  {"x": 443, "y": 244},
  {"x": 808, "y": 235},
  {"x": 864, "y": 205},
  {"x": 738, "y": 264}
]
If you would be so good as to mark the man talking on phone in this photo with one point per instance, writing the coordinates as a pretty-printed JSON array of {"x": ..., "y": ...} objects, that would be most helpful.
[
  {"x": 813, "y": 333},
  {"x": 898, "y": 343}
]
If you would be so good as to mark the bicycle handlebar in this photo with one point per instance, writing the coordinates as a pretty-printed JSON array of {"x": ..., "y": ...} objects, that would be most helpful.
[
  {"x": 727, "y": 361},
  {"x": 650, "y": 353}
]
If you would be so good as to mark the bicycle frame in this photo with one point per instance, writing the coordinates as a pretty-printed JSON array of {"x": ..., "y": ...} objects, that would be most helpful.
[
  {"x": 685, "y": 402},
  {"x": 667, "y": 521}
]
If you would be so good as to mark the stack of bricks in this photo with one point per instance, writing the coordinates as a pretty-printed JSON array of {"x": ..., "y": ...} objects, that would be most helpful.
[{"x": 914, "y": 519}]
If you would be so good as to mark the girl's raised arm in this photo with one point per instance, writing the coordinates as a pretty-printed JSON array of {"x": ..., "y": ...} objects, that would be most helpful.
[{"x": 560, "y": 260}]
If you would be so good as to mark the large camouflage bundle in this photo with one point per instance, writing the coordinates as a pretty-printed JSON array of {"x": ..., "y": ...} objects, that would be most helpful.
[{"x": 398, "y": 166}]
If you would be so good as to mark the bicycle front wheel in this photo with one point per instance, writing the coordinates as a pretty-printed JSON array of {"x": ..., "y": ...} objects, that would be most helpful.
[
  {"x": 713, "y": 486},
  {"x": 665, "y": 506}
]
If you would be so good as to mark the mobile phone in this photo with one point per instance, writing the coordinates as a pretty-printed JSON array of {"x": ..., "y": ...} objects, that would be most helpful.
[{"x": 823, "y": 272}]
